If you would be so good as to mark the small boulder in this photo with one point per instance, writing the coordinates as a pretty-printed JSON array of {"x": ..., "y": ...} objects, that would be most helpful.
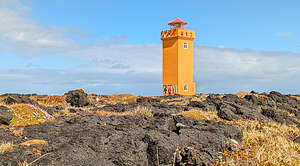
[
  {"x": 77, "y": 98},
  {"x": 5, "y": 115}
]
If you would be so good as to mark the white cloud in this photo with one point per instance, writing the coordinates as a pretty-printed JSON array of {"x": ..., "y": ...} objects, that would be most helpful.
[
  {"x": 229, "y": 70},
  {"x": 284, "y": 34},
  {"x": 117, "y": 67},
  {"x": 122, "y": 57},
  {"x": 217, "y": 70},
  {"x": 15, "y": 4},
  {"x": 19, "y": 33}
]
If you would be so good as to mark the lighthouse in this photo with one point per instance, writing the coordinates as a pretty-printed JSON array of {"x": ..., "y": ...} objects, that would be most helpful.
[{"x": 178, "y": 52}]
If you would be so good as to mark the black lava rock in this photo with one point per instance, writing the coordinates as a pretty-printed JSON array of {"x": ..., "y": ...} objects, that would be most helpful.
[
  {"x": 77, "y": 99},
  {"x": 19, "y": 99},
  {"x": 5, "y": 115}
]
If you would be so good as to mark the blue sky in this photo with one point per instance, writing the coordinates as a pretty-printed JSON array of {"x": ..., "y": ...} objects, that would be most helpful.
[{"x": 105, "y": 47}]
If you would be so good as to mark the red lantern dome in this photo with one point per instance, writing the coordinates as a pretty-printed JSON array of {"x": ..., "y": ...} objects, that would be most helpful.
[{"x": 177, "y": 23}]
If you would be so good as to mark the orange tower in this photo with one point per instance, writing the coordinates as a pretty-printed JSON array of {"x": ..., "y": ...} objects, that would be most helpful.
[{"x": 178, "y": 59}]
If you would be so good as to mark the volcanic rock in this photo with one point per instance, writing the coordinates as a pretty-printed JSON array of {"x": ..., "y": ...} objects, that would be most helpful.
[
  {"x": 5, "y": 115},
  {"x": 146, "y": 99},
  {"x": 18, "y": 99},
  {"x": 77, "y": 98},
  {"x": 279, "y": 117},
  {"x": 231, "y": 111},
  {"x": 125, "y": 140}
]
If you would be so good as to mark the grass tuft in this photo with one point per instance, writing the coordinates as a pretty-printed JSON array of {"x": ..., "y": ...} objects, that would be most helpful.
[
  {"x": 195, "y": 114},
  {"x": 23, "y": 163},
  {"x": 5, "y": 147},
  {"x": 17, "y": 132},
  {"x": 142, "y": 111},
  {"x": 296, "y": 97},
  {"x": 122, "y": 98},
  {"x": 241, "y": 94},
  {"x": 50, "y": 100}
]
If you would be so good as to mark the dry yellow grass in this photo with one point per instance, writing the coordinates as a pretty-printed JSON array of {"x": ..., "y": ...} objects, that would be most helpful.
[
  {"x": 113, "y": 99},
  {"x": 17, "y": 132},
  {"x": 272, "y": 143},
  {"x": 107, "y": 113},
  {"x": 241, "y": 94},
  {"x": 201, "y": 97},
  {"x": 36, "y": 151},
  {"x": 210, "y": 115},
  {"x": 50, "y": 100},
  {"x": 2, "y": 98},
  {"x": 123, "y": 98},
  {"x": 5, "y": 147},
  {"x": 266, "y": 144},
  {"x": 34, "y": 142},
  {"x": 296, "y": 97},
  {"x": 192, "y": 114},
  {"x": 184, "y": 102},
  {"x": 142, "y": 111},
  {"x": 23, "y": 163},
  {"x": 139, "y": 111}
]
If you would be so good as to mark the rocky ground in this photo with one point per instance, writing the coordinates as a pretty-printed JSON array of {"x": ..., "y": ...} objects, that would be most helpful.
[{"x": 90, "y": 129}]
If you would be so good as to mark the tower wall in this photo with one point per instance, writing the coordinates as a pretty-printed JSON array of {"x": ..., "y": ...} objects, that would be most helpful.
[{"x": 178, "y": 61}]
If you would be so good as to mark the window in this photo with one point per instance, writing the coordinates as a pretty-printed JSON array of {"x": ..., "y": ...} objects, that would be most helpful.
[
  {"x": 191, "y": 34},
  {"x": 185, "y": 45},
  {"x": 185, "y": 88}
]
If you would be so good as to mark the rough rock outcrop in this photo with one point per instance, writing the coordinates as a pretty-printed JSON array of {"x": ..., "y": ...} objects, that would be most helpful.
[
  {"x": 231, "y": 111},
  {"x": 90, "y": 139},
  {"x": 18, "y": 99},
  {"x": 5, "y": 115},
  {"x": 279, "y": 117},
  {"x": 77, "y": 98}
]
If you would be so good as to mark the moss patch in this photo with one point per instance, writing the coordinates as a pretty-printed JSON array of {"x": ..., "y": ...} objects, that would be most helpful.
[{"x": 26, "y": 115}]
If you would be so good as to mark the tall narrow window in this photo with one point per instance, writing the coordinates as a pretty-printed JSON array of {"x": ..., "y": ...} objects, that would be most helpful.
[{"x": 185, "y": 45}]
